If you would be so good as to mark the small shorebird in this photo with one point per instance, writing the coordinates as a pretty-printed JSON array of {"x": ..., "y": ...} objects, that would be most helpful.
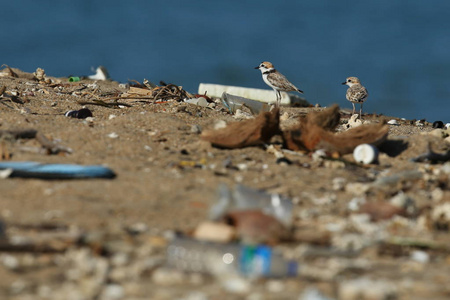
[
  {"x": 356, "y": 93},
  {"x": 276, "y": 80}
]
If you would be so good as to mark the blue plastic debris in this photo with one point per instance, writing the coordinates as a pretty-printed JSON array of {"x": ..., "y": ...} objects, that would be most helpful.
[{"x": 29, "y": 169}]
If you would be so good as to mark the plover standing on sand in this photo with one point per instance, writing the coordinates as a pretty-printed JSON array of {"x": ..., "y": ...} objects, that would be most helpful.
[
  {"x": 276, "y": 80},
  {"x": 356, "y": 93}
]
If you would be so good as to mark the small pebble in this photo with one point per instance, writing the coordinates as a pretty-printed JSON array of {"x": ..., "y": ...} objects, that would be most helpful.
[
  {"x": 196, "y": 129},
  {"x": 10, "y": 262},
  {"x": 313, "y": 294},
  {"x": 420, "y": 256},
  {"x": 275, "y": 286},
  {"x": 440, "y": 216},
  {"x": 112, "y": 292},
  {"x": 220, "y": 124},
  {"x": 355, "y": 203},
  {"x": 404, "y": 201},
  {"x": 236, "y": 285},
  {"x": 365, "y": 289},
  {"x": 339, "y": 183},
  {"x": 113, "y": 135},
  {"x": 168, "y": 277},
  {"x": 318, "y": 155}
]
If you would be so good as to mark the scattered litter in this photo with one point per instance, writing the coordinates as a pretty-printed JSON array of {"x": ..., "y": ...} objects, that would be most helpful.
[
  {"x": 243, "y": 198},
  {"x": 393, "y": 122},
  {"x": 101, "y": 73},
  {"x": 74, "y": 79},
  {"x": 438, "y": 124},
  {"x": 222, "y": 259},
  {"x": 113, "y": 135},
  {"x": 159, "y": 94},
  {"x": 366, "y": 154},
  {"x": 264, "y": 95},
  {"x": 79, "y": 114},
  {"x": 386, "y": 222},
  {"x": 233, "y": 103},
  {"x": 198, "y": 101}
]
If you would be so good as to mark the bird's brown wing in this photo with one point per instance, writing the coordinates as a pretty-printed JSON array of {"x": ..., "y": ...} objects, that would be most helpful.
[
  {"x": 280, "y": 81},
  {"x": 357, "y": 93}
]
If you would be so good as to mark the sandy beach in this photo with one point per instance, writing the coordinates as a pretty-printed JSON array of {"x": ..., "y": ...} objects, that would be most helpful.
[{"x": 107, "y": 238}]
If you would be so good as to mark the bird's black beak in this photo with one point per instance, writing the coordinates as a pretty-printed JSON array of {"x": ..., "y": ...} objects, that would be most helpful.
[
  {"x": 344, "y": 83},
  {"x": 257, "y": 67}
]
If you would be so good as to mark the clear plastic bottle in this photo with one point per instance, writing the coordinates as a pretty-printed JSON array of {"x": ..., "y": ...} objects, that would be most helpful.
[{"x": 213, "y": 258}]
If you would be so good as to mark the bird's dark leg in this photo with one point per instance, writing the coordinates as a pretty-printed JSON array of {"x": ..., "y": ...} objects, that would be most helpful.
[{"x": 278, "y": 98}]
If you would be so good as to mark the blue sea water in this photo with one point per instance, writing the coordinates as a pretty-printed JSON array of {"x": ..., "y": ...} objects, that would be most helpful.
[{"x": 399, "y": 49}]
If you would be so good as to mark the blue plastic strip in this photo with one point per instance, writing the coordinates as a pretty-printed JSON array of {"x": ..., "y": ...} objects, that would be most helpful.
[{"x": 30, "y": 169}]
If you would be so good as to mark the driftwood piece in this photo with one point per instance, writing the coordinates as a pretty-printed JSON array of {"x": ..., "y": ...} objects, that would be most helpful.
[
  {"x": 246, "y": 133},
  {"x": 162, "y": 93},
  {"x": 347, "y": 141}
]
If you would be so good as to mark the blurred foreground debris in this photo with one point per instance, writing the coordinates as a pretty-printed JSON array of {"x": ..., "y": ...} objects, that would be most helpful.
[
  {"x": 431, "y": 156},
  {"x": 49, "y": 146}
]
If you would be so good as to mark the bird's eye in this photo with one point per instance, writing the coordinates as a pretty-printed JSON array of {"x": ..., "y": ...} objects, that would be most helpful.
[{"x": 348, "y": 80}]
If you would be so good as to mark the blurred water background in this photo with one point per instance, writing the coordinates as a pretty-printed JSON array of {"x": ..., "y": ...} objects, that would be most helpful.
[{"x": 399, "y": 49}]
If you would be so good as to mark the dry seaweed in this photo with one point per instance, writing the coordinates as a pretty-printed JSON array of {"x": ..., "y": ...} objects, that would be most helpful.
[
  {"x": 315, "y": 132},
  {"x": 246, "y": 133}
]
